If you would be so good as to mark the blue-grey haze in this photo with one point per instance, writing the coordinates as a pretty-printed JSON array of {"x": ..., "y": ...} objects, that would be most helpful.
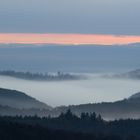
[{"x": 51, "y": 58}]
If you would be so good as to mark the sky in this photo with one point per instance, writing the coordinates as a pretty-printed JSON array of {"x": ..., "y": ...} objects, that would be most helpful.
[
  {"x": 73, "y": 22},
  {"x": 120, "y": 17}
]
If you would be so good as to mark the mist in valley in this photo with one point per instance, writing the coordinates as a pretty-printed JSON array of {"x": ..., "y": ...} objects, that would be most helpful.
[{"x": 91, "y": 90}]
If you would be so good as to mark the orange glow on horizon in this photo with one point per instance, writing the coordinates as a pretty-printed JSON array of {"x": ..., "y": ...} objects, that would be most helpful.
[{"x": 67, "y": 39}]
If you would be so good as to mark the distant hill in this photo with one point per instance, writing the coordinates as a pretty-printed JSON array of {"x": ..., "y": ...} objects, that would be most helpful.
[
  {"x": 40, "y": 76},
  {"x": 134, "y": 74},
  {"x": 135, "y": 96},
  {"x": 20, "y": 100}
]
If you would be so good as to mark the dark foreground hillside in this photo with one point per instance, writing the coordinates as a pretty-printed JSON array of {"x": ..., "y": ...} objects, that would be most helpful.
[
  {"x": 68, "y": 127},
  {"x": 19, "y": 100}
]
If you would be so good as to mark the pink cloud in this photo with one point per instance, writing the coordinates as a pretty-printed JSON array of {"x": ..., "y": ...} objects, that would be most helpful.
[{"x": 67, "y": 39}]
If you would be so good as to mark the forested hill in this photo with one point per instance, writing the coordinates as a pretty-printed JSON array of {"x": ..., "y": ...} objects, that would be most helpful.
[
  {"x": 126, "y": 108},
  {"x": 134, "y": 74},
  {"x": 14, "y": 103},
  {"x": 19, "y": 100}
]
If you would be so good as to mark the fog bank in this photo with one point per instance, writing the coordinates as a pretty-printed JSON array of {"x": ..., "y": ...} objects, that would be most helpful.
[{"x": 94, "y": 89}]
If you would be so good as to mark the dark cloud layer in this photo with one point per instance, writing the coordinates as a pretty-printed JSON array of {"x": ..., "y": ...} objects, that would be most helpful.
[{"x": 70, "y": 16}]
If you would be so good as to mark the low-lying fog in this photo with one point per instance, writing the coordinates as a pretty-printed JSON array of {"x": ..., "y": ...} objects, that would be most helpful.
[{"x": 93, "y": 89}]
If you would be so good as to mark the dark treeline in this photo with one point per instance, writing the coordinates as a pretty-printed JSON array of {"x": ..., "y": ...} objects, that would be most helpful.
[
  {"x": 40, "y": 76},
  {"x": 88, "y": 126}
]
